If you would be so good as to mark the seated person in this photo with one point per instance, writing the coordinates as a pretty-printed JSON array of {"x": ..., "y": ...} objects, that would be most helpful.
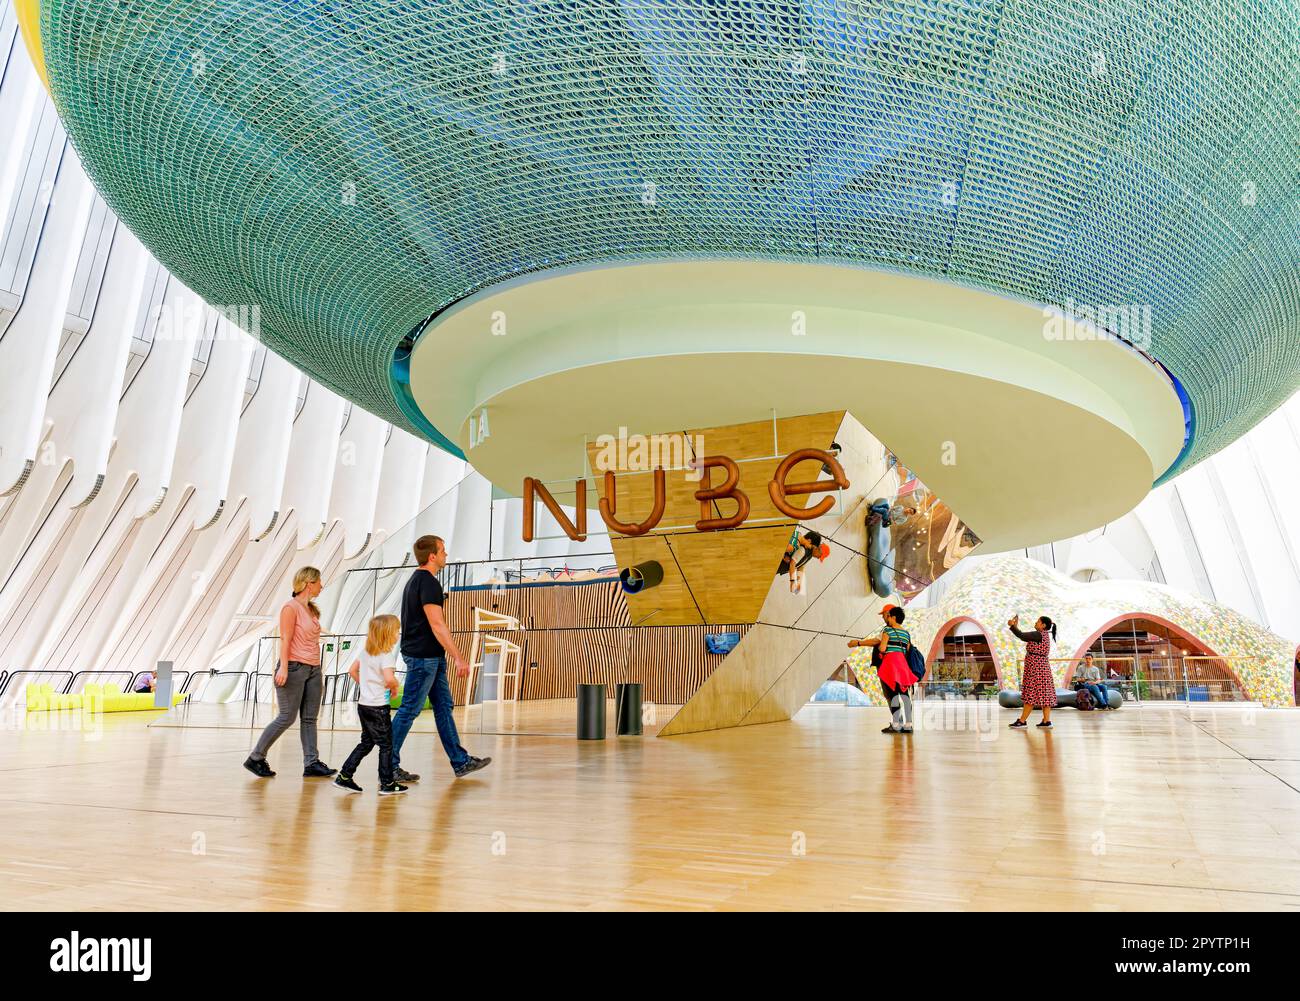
[
  {"x": 1089, "y": 677},
  {"x": 146, "y": 683},
  {"x": 805, "y": 547}
]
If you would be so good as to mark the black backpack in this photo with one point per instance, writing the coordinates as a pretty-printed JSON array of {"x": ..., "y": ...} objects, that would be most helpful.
[{"x": 1083, "y": 700}]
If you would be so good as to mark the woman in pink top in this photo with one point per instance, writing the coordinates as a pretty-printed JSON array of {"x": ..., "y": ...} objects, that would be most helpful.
[{"x": 298, "y": 685}]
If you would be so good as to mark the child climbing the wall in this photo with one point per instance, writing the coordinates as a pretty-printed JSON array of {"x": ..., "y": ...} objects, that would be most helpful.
[{"x": 803, "y": 548}]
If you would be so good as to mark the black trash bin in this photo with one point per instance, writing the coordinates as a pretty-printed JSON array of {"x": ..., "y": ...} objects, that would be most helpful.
[
  {"x": 591, "y": 712},
  {"x": 627, "y": 709}
]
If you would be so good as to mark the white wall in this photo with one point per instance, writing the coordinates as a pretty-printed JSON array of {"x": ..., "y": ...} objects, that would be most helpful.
[
  {"x": 1227, "y": 530},
  {"x": 160, "y": 481}
]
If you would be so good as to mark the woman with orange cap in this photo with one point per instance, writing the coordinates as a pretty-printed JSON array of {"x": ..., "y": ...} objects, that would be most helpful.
[{"x": 895, "y": 674}]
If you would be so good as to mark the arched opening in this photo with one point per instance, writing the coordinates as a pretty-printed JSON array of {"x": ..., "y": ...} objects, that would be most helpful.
[
  {"x": 961, "y": 661},
  {"x": 1155, "y": 660}
]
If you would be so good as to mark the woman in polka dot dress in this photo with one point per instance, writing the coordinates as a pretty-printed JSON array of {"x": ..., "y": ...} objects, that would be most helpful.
[{"x": 1037, "y": 685}]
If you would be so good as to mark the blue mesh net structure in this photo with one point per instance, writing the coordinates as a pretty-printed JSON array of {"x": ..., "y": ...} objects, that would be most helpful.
[{"x": 354, "y": 167}]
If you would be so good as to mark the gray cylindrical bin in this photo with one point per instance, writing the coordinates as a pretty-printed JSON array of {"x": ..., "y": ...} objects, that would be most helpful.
[
  {"x": 591, "y": 712},
  {"x": 627, "y": 709}
]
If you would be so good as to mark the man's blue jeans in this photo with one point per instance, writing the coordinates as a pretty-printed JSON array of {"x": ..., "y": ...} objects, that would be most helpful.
[
  {"x": 1098, "y": 693},
  {"x": 426, "y": 677}
]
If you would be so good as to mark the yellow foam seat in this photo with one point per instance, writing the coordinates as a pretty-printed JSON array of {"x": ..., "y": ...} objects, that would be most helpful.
[
  {"x": 41, "y": 697},
  {"x": 135, "y": 702},
  {"x": 95, "y": 697}
]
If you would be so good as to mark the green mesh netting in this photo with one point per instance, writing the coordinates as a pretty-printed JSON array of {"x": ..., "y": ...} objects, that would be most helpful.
[{"x": 352, "y": 167}]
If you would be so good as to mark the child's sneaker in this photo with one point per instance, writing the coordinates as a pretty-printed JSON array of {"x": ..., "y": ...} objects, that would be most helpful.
[
  {"x": 392, "y": 789},
  {"x": 345, "y": 783}
]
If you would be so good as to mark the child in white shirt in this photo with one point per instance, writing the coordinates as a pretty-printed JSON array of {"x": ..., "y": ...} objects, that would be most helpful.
[{"x": 373, "y": 671}]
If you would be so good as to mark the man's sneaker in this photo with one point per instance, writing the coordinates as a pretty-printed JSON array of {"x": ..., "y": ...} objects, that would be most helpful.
[
  {"x": 318, "y": 770},
  {"x": 472, "y": 765},
  {"x": 345, "y": 783},
  {"x": 392, "y": 789},
  {"x": 402, "y": 775},
  {"x": 259, "y": 768}
]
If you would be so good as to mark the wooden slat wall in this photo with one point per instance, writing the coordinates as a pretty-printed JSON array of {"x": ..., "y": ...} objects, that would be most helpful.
[{"x": 582, "y": 634}]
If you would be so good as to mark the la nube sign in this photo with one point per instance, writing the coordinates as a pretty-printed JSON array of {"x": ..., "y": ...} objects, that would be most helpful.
[{"x": 778, "y": 489}]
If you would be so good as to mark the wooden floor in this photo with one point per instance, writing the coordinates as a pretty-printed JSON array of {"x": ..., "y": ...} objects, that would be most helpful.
[
  {"x": 535, "y": 717},
  {"x": 1159, "y": 807}
]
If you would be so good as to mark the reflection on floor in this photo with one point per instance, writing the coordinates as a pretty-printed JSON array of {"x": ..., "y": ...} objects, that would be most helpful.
[
  {"x": 1160, "y": 807},
  {"x": 537, "y": 717}
]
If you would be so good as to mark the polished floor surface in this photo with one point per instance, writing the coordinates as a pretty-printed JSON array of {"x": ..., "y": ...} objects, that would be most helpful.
[
  {"x": 1162, "y": 807},
  {"x": 539, "y": 717}
]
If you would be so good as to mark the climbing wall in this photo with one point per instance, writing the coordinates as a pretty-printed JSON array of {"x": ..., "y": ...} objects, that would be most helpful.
[
  {"x": 711, "y": 577},
  {"x": 799, "y": 638}
]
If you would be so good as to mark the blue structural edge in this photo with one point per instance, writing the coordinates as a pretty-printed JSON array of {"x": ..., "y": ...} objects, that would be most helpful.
[
  {"x": 399, "y": 373},
  {"x": 1184, "y": 400},
  {"x": 1189, "y": 426},
  {"x": 399, "y": 381}
]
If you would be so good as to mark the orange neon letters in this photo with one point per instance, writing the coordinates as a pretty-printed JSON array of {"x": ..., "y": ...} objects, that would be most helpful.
[
  {"x": 533, "y": 487},
  {"x": 609, "y": 505},
  {"x": 778, "y": 489},
  {"x": 709, "y": 493}
]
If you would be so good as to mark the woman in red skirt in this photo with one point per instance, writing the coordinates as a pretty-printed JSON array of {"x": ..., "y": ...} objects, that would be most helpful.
[
  {"x": 1037, "y": 685},
  {"x": 896, "y": 677}
]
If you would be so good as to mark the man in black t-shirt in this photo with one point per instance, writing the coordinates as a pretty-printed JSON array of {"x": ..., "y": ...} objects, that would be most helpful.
[
  {"x": 418, "y": 639},
  {"x": 426, "y": 644}
]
